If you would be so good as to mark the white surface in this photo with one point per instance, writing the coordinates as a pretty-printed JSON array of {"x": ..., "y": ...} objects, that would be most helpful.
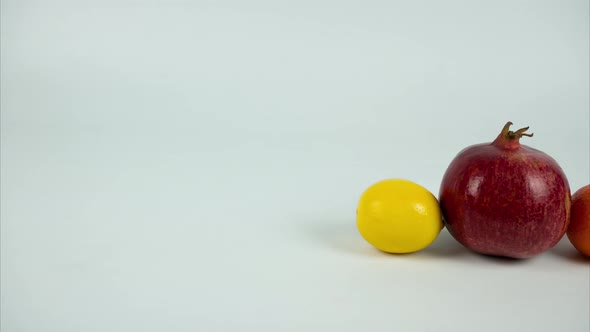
[{"x": 195, "y": 165}]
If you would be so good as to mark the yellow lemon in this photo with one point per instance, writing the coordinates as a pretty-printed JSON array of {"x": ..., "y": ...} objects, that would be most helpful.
[{"x": 398, "y": 216}]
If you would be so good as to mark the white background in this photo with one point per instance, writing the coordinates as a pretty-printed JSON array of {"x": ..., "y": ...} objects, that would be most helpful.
[{"x": 196, "y": 165}]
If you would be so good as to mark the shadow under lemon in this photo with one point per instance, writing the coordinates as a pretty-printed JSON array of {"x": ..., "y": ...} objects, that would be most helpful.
[
  {"x": 339, "y": 236},
  {"x": 345, "y": 237}
]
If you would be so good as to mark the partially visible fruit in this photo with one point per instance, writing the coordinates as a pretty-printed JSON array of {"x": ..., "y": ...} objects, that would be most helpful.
[
  {"x": 504, "y": 198},
  {"x": 578, "y": 231},
  {"x": 398, "y": 216}
]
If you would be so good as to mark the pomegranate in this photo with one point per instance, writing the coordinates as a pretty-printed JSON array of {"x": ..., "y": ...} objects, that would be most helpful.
[{"x": 504, "y": 198}]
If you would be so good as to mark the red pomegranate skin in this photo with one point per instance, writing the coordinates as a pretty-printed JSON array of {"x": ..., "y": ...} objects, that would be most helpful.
[{"x": 505, "y": 199}]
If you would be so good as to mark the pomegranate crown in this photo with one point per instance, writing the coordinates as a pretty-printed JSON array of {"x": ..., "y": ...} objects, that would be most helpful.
[
  {"x": 509, "y": 138},
  {"x": 515, "y": 134}
]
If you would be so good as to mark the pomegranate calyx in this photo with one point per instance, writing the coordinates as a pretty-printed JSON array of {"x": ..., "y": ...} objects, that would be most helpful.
[
  {"x": 509, "y": 138},
  {"x": 519, "y": 133}
]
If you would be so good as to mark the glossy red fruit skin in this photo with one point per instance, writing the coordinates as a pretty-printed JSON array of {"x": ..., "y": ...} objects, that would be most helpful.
[{"x": 505, "y": 199}]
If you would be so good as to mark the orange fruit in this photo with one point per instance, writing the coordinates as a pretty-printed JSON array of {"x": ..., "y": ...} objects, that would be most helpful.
[{"x": 578, "y": 231}]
